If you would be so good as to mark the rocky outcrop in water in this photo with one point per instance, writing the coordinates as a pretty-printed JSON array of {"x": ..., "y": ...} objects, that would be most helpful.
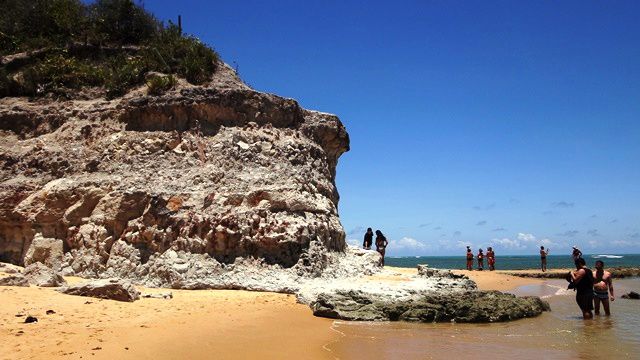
[
  {"x": 472, "y": 306},
  {"x": 616, "y": 272}
]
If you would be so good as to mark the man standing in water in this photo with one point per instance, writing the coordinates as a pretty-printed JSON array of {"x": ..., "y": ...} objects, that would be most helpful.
[
  {"x": 582, "y": 277},
  {"x": 602, "y": 288},
  {"x": 543, "y": 258}
]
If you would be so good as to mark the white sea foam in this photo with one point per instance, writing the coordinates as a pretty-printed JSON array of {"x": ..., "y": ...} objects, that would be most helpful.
[{"x": 607, "y": 256}]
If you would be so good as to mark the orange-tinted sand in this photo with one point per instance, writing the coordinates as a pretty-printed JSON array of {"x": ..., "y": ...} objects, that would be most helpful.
[
  {"x": 208, "y": 324},
  {"x": 198, "y": 324}
]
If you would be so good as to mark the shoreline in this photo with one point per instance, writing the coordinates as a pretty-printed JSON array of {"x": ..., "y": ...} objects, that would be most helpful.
[{"x": 194, "y": 323}]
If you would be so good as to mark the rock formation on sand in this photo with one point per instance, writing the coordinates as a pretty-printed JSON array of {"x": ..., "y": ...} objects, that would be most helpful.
[
  {"x": 218, "y": 173},
  {"x": 214, "y": 186}
]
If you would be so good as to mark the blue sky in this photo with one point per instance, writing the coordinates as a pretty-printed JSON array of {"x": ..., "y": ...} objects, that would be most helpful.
[{"x": 492, "y": 123}]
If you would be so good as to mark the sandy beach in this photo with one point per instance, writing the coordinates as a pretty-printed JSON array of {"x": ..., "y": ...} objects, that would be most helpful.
[{"x": 195, "y": 324}]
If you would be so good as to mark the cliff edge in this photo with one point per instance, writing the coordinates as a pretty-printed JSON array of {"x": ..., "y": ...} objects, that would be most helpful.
[{"x": 217, "y": 170}]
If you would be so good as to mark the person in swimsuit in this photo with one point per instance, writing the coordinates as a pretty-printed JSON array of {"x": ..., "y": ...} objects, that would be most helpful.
[
  {"x": 543, "y": 258},
  {"x": 491, "y": 258},
  {"x": 480, "y": 260},
  {"x": 582, "y": 277},
  {"x": 381, "y": 244},
  {"x": 469, "y": 259},
  {"x": 368, "y": 239},
  {"x": 602, "y": 288},
  {"x": 576, "y": 253}
]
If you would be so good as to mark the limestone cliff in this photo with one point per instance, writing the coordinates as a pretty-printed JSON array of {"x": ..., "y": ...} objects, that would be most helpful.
[{"x": 220, "y": 171}]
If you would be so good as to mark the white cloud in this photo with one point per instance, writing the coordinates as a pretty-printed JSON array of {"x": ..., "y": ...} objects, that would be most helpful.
[
  {"x": 626, "y": 243},
  {"x": 408, "y": 244},
  {"x": 522, "y": 241},
  {"x": 508, "y": 243},
  {"x": 354, "y": 242}
]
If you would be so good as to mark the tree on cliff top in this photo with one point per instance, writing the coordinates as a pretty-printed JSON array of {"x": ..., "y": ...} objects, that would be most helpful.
[{"x": 108, "y": 43}]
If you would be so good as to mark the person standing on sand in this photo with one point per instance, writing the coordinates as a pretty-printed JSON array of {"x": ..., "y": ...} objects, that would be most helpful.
[
  {"x": 491, "y": 258},
  {"x": 381, "y": 244},
  {"x": 543, "y": 258},
  {"x": 480, "y": 260},
  {"x": 368, "y": 239},
  {"x": 602, "y": 288},
  {"x": 582, "y": 277},
  {"x": 469, "y": 259},
  {"x": 576, "y": 253}
]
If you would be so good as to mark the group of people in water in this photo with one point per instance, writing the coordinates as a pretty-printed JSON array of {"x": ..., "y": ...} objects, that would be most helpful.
[
  {"x": 381, "y": 242},
  {"x": 592, "y": 287}
]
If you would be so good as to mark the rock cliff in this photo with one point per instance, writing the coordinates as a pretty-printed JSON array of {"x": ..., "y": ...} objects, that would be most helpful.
[{"x": 143, "y": 185}]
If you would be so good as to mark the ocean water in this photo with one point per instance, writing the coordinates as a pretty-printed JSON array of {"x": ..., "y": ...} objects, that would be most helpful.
[
  {"x": 512, "y": 262},
  {"x": 559, "y": 334}
]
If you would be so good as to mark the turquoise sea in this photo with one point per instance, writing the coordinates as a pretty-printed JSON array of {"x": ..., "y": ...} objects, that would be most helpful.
[{"x": 513, "y": 262}]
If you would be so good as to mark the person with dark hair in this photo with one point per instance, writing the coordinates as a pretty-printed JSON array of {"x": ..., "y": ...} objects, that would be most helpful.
[
  {"x": 381, "y": 244},
  {"x": 469, "y": 259},
  {"x": 368, "y": 239},
  {"x": 576, "y": 253},
  {"x": 543, "y": 258},
  {"x": 491, "y": 258},
  {"x": 582, "y": 279},
  {"x": 602, "y": 288},
  {"x": 480, "y": 260}
]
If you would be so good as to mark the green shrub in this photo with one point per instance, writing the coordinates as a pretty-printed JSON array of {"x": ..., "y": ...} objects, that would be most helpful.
[
  {"x": 170, "y": 51},
  {"x": 122, "y": 22},
  {"x": 123, "y": 73},
  {"x": 158, "y": 85},
  {"x": 39, "y": 23},
  {"x": 54, "y": 24}
]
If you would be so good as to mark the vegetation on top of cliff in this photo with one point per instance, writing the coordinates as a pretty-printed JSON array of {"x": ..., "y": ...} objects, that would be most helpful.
[{"x": 61, "y": 46}]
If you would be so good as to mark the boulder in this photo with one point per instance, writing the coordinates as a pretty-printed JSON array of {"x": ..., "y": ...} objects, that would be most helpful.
[
  {"x": 471, "y": 307},
  {"x": 10, "y": 268},
  {"x": 631, "y": 295},
  {"x": 110, "y": 289},
  {"x": 14, "y": 280},
  {"x": 426, "y": 271},
  {"x": 47, "y": 251},
  {"x": 40, "y": 275}
]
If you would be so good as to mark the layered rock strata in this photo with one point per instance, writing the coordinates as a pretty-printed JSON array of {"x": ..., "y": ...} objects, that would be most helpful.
[{"x": 171, "y": 188}]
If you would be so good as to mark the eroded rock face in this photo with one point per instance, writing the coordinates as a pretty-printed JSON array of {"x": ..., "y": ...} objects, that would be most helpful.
[
  {"x": 111, "y": 289},
  {"x": 220, "y": 172},
  {"x": 45, "y": 251},
  {"x": 39, "y": 274}
]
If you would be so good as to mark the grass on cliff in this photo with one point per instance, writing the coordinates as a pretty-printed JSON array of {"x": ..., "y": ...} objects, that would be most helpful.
[{"x": 68, "y": 45}]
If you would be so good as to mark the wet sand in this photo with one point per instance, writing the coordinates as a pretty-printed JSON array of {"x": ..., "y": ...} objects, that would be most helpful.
[{"x": 486, "y": 280}]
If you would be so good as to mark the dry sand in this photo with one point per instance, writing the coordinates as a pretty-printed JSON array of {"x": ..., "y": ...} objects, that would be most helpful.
[
  {"x": 221, "y": 324},
  {"x": 200, "y": 324}
]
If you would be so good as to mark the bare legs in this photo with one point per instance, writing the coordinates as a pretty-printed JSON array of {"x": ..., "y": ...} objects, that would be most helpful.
[{"x": 605, "y": 305}]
